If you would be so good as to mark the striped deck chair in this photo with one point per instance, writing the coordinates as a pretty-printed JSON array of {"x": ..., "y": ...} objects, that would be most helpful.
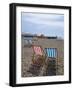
[{"x": 37, "y": 60}]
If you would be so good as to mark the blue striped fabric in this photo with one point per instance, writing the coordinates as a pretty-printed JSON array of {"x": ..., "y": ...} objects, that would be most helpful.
[{"x": 51, "y": 52}]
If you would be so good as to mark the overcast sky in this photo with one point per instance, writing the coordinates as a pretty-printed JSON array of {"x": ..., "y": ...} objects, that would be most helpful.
[{"x": 47, "y": 24}]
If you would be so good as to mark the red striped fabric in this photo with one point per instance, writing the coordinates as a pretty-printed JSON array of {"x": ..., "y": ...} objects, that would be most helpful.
[{"x": 37, "y": 50}]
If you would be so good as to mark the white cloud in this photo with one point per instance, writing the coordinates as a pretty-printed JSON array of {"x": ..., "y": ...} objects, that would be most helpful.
[
  {"x": 50, "y": 16},
  {"x": 47, "y": 24},
  {"x": 42, "y": 21}
]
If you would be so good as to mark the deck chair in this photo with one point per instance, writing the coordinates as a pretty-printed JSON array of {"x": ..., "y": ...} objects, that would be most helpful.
[{"x": 38, "y": 60}]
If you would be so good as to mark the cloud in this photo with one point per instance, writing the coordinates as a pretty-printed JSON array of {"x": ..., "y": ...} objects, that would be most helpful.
[
  {"x": 50, "y": 16},
  {"x": 47, "y": 24},
  {"x": 44, "y": 19}
]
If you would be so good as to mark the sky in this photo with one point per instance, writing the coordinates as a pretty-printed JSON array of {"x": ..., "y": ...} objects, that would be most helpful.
[{"x": 49, "y": 24}]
